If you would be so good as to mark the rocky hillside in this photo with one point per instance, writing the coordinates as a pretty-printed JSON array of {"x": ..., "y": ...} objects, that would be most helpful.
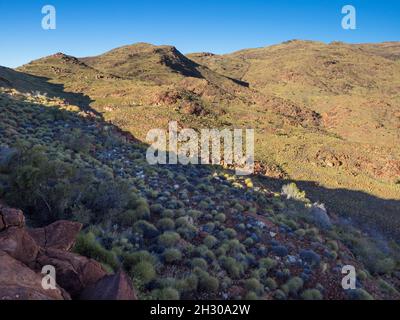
[
  {"x": 325, "y": 115},
  {"x": 179, "y": 232}
]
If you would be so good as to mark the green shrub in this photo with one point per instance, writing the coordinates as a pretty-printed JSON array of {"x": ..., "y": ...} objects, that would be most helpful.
[
  {"x": 271, "y": 283},
  {"x": 200, "y": 263},
  {"x": 141, "y": 209},
  {"x": 251, "y": 296},
  {"x": 267, "y": 263},
  {"x": 168, "y": 213},
  {"x": 233, "y": 267},
  {"x": 230, "y": 233},
  {"x": 144, "y": 271},
  {"x": 254, "y": 285},
  {"x": 311, "y": 294},
  {"x": 382, "y": 266},
  {"x": 166, "y": 224},
  {"x": 300, "y": 232},
  {"x": 156, "y": 208},
  {"x": 387, "y": 288},
  {"x": 201, "y": 250},
  {"x": 210, "y": 241},
  {"x": 249, "y": 242},
  {"x": 280, "y": 295},
  {"x": 182, "y": 222},
  {"x": 87, "y": 246},
  {"x": 146, "y": 228},
  {"x": 359, "y": 294},
  {"x": 194, "y": 214},
  {"x": 168, "y": 239},
  {"x": 208, "y": 283},
  {"x": 188, "y": 233},
  {"x": 166, "y": 294},
  {"x": 220, "y": 217},
  {"x": 131, "y": 259},
  {"x": 333, "y": 244},
  {"x": 172, "y": 255},
  {"x": 189, "y": 284},
  {"x": 210, "y": 255},
  {"x": 293, "y": 285},
  {"x": 127, "y": 218},
  {"x": 362, "y": 275}
]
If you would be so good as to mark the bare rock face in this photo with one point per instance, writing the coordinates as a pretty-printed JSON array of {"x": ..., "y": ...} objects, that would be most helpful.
[
  {"x": 58, "y": 235},
  {"x": 18, "y": 282},
  {"x": 11, "y": 217},
  {"x": 2, "y": 225},
  {"x": 19, "y": 244},
  {"x": 24, "y": 253},
  {"x": 74, "y": 272},
  {"x": 112, "y": 287}
]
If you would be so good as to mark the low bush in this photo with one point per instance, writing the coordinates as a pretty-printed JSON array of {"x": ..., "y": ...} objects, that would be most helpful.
[
  {"x": 166, "y": 224},
  {"x": 267, "y": 263},
  {"x": 251, "y": 296},
  {"x": 359, "y": 294},
  {"x": 312, "y": 294},
  {"x": 208, "y": 283},
  {"x": 199, "y": 263},
  {"x": 144, "y": 271},
  {"x": 188, "y": 284},
  {"x": 146, "y": 228},
  {"x": 131, "y": 259},
  {"x": 87, "y": 246},
  {"x": 166, "y": 294},
  {"x": 168, "y": 239},
  {"x": 254, "y": 285},
  {"x": 233, "y": 267},
  {"x": 271, "y": 283},
  {"x": 293, "y": 285},
  {"x": 172, "y": 255},
  {"x": 210, "y": 241},
  {"x": 220, "y": 217}
]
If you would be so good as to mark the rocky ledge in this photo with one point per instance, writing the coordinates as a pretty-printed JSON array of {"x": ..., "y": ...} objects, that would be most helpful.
[{"x": 24, "y": 252}]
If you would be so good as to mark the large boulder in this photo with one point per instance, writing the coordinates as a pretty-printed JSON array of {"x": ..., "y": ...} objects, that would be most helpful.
[
  {"x": 112, "y": 287},
  {"x": 18, "y": 282},
  {"x": 73, "y": 272},
  {"x": 24, "y": 253},
  {"x": 58, "y": 235},
  {"x": 19, "y": 244},
  {"x": 11, "y": 217}
]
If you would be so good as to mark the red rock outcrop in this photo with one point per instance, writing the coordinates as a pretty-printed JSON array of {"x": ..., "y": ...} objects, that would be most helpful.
[
  {"x": 24, "y": 252},
  {"x": 18, "y": 282},
  {"x": 112, "y": 287},
  {"x": 58, "y": 235},
  {"x": 74, "y": 272}
]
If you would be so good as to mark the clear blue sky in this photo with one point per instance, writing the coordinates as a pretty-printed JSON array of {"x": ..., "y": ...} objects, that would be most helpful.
[{"x": 89, "y": 27}]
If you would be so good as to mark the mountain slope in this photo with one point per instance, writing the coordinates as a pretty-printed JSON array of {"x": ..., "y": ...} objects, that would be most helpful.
[
  {"x": 190, "y": 232},
  {"x": 324, "y": 114},
  {"x": 355, "y": 91}
]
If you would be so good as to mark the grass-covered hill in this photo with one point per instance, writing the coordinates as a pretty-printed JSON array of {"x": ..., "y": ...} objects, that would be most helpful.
[
  {"x": 324, "y": 114},
  {"x": 188, "y": 232}
]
